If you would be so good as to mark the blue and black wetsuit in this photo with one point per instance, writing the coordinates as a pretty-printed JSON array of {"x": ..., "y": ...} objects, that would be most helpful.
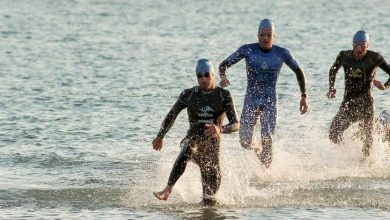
[
  {"x": 262, "y": 69},
  {"x": 358, "y": 103},
  {"x": 203, "y": 108}
]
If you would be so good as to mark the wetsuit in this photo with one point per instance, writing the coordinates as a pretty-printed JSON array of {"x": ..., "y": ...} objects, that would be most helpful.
[
  {"x": 358, "y": 103},
  {"x": 203, "y": 108},
  {"x": 263, "y": 69}
]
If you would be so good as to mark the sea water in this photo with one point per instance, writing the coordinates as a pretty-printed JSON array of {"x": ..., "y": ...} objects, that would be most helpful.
[{"x": 85, "y": 86}]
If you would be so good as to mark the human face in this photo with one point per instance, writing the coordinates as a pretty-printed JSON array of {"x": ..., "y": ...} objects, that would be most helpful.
[
  {"x": 205, "y": 80},
  {"x": 360, "y": 49},
  {"x": 266, "y": 38}
]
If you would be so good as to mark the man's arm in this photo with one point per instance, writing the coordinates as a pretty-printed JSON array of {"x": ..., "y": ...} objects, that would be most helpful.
[
  {"x": 301, "y": 81},
  {"x": 228, "y": 62},
  {"x": 231, "y": 115},
  {"x": 294, "y": 66},
  {"x": 222, "y": 74},
  {"x": 385, "y": 67},
  {"x": 230, "y": 110},
  {"x": 332, "y": 76},
  {"x": 302, "y": 86},
  {"x": 169, "y": 120},
  {"x": 378, "y": 84},
  {"x": 171, "y": 116}
]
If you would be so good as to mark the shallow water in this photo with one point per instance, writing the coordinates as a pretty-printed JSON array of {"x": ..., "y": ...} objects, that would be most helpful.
[{"x": 86, "y": 84}]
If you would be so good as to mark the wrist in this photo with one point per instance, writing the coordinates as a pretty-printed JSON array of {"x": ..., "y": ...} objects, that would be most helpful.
[
  {"x": 303, "y": 96},
  {"x": 220, "y": 129}
]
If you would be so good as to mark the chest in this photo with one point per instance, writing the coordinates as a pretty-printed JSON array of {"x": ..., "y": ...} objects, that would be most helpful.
[
  {"x": 205, "y": 105},
  {"x": 358, "y": 69},
  {"x": 267, "y": 62}
]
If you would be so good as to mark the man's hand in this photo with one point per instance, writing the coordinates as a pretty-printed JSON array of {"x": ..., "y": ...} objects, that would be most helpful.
[
  {"x": 331, "y": 93},
  {"x": 212, "y": 130},
  {"x": 224, "y": 81},
  {"x": 378, "y": 85},
  {"x": 387, "y": 85},
  {"x": 303, "y": 106},
  {"x": 157, "y": 143}
]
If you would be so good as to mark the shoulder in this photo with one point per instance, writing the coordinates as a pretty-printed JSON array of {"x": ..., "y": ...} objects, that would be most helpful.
[
  {"x": 373, "y": 54},
  {"x": 281, "y": 50},
  {"x": 346, "y": 53},
  {"x": 223, "y": 92},
  {"x": 375, "y": 57},
  {"x": 186, "y": 93},
  {"x": 247, "y": 47},
  {"x": 343, "y": 54}
]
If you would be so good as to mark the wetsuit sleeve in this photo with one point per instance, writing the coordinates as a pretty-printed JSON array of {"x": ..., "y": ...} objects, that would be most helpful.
[
  {"x": 231, "y": 114},
  {"x": 173, "y": 113},
  {"x": 301, "y": 81},
  {"x": 333, "y": 71},
  {"x": 233, "y": 59},
  {"x": 290, "y": 61},
  {"x": 294, "y": 66},
  {"x": 385, "y": 67}
]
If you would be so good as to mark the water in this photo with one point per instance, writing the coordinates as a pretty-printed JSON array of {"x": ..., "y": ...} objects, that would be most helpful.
[{"x": 86, "y": 84}]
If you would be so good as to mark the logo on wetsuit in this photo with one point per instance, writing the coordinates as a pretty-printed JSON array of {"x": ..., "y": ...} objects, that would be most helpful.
[
  {"x": 356, "y": 73},
  {"x": 206, "y": 112},
  {"x": 264, "y": 66}
]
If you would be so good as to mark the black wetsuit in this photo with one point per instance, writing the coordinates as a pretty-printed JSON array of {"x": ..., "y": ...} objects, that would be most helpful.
[
  {"x": 358, "y": 103},
  {"x": 202, "y": 107}
]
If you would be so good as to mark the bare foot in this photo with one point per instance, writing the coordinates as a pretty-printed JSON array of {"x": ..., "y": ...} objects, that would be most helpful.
[{"x": 163, "y": 195}]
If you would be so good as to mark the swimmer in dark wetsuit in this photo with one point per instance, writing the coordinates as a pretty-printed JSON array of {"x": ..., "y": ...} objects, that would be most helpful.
[
  {"x": 206, "y": 106},
  {"x": 358, "y": 104},
  {"x": 263, "y": 64}
]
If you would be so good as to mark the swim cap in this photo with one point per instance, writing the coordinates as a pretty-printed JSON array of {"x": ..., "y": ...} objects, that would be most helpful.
[
  {"x": 360, "y": 37},
  {"x": 267, "y": 24},
  {"x": 203, "y": 66}
]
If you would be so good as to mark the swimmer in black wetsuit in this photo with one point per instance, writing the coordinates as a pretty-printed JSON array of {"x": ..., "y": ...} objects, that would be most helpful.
[
  {"x": 358, "y": 104},
  {"x": 206, "y": 106}
]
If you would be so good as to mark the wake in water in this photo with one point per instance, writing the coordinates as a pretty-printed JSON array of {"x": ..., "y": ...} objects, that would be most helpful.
[{"x": 312, "y": 172}]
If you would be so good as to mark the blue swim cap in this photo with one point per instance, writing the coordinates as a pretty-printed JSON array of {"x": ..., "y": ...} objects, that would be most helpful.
[
  {"x": 203, "y": 66},
  {"x": 267, "y": 23},
  {"x": 360, "y": 37}
]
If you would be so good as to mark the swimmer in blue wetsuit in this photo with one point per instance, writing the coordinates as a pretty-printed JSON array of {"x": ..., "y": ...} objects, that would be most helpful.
[{"x": 263, "y": 64}]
